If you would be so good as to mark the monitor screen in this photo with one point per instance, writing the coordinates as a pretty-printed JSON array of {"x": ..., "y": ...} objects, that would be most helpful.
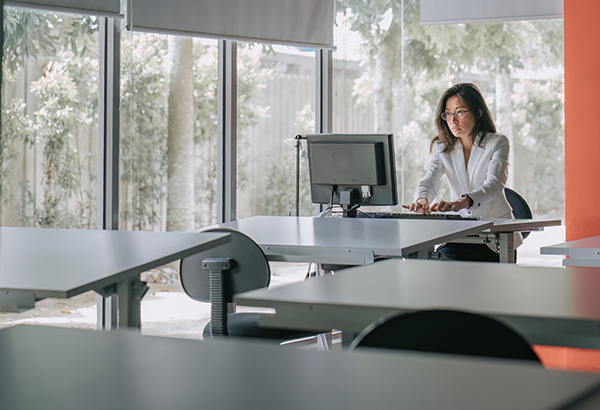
[{"x": 352, "y": 169}]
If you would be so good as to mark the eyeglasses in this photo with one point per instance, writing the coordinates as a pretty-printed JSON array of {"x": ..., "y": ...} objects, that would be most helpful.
[{"x": 447, "y": 116}]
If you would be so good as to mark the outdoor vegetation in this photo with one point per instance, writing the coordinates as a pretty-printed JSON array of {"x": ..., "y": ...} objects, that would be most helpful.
[{"x": 388, "y": 71}]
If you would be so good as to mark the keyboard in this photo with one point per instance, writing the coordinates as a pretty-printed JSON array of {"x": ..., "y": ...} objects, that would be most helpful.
[{"x": 407, "y": 215}]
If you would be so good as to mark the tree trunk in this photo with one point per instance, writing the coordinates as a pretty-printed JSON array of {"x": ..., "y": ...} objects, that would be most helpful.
[
  {"x": 504, "y": 119},
  {"x": 180, "y": 143},
  {"x": 383, "y": 96}
]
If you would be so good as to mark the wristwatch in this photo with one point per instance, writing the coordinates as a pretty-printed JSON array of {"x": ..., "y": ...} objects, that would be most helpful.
[{"x": 468, "y": 199}]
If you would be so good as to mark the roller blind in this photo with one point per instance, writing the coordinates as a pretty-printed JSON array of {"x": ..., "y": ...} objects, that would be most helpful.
[
  {"x": 295, "y": 22},
  {"x": 480, "y": 11},
  {"x": 105, "y": 8}
]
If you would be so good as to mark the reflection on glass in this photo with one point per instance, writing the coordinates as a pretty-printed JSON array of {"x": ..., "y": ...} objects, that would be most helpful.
[{"x": 49, "y": 120}]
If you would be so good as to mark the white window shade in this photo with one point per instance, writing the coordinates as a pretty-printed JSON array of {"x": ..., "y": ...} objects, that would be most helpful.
[
  {"x": 481, "y": 11},
  {"x": 294, "y": 22},
  {"x": 105, "y": 8}
]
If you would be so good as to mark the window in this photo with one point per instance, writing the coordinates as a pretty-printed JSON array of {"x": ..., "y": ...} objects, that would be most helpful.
[
  {"x": 390, "y": 72},
  {"x": 168, "y": 132},
  {"x": 276, "y": 98},
  {"x": 49, "y": 120}
]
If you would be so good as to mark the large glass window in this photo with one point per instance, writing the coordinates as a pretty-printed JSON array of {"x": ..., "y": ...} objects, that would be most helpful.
[
  {"x": 49, "y": 120},
  {"x": 276, "y": 98},
  {"x": 168, "y": 132},
  {"x": 390, "y": 72}
]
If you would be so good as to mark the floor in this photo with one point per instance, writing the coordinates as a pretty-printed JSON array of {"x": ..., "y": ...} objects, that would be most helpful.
[{"x": 168, "y": 311}]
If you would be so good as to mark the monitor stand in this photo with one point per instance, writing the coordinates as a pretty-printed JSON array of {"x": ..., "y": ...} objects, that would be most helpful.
[{"x": 348, "y": 199}]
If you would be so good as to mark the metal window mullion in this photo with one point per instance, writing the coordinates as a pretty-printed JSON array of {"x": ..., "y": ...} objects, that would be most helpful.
[
  {"x": 323, "y": 97},
  {"x": 108, "y": 125},
  {"x": 324, "y": 91},
  {"x": 227, "y": 132}
]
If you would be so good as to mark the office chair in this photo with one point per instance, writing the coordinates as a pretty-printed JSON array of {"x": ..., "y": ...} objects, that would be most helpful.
[
  {"x": 446, "y": 331},
  {"x": 520, "y": 207},
  {"x": 216, "y": 274}
]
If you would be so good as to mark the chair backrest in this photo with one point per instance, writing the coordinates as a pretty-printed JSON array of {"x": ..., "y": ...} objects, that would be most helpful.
[
  {"x": 519, "y": 205},
  {"x": 446, "y": 331},
  {"x": 214, "y": 275},
  {"x": 249, "y": 268}
]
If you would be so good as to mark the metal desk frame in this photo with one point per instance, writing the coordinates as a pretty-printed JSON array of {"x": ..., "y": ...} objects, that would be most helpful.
[{"x": 40, "y": 263}]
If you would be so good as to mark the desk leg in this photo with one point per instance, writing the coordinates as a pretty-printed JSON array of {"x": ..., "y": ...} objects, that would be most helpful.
[
  {"x": 130, "y": 293},
  {"x": 324, "y": 341},
  {"x": 119, "y": 306},
  {"x": 425, "y": 253},
  {"x": 506, "y": 246},
  {"x": 106, "y": 307}
]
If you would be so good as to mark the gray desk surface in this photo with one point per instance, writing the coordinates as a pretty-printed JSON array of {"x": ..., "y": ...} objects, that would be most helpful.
[
  {"x": 53, "y": 368},
  {"x": 514, "y": 225},
  {"x": 581, "y": 252},
  {"x": 41, "y": 263},
  {"x": 348, "y": 240},
  {"x": 502, "y": 233},
  {"x": 553, "y": 306}
]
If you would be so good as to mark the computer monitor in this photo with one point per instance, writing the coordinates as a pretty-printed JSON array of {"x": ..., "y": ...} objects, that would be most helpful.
[{"x": 352, "y": 170}]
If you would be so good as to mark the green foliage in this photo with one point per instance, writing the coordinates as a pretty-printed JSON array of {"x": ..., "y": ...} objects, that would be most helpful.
[
  {"x": 143, "y": 129},
  {"x": 280, "y": 198},
  {"x": 15, "y": 126},
  {"x": 65, "y": 109},
  {"x": 422, "y": 61},
  {"x": 28, "y": 34},
  {"x": 67, "y": 92},
  {"x": 540, "y": 146},
  {"x": 144, "y": 125}
]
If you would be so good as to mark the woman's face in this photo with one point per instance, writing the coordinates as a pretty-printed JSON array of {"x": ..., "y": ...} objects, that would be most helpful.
[{"x": 460, "y": 127}]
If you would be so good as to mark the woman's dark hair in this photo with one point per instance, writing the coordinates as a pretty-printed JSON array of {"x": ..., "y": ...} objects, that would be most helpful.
[{"x": 472, "y": 98}]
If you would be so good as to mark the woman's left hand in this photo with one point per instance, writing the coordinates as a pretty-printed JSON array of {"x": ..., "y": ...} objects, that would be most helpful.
[{"x": 455, "y": 206}]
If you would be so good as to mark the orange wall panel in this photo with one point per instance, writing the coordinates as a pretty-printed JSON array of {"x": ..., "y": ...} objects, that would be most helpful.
[{"x": 582, "y": 111}]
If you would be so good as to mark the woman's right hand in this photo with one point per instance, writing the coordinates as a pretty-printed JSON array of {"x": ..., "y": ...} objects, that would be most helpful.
[{"x": 420, "y": 206}]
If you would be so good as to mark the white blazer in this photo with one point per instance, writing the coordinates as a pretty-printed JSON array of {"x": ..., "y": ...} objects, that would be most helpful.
[{"x": 483, "y": 179}]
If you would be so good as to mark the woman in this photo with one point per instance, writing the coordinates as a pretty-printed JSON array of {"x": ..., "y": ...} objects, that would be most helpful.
[{"x": 475, "y": 160}]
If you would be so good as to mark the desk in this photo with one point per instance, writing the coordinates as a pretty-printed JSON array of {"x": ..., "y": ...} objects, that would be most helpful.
[
  {"x": 581, "y": 252},
  {"x": 52, "y": 368},
  {"x": 349, "y": 241},
  {"x": 40, "y": 263},
  {"x": 502, "y": 234},
  {"x": 551, "y": 306}
]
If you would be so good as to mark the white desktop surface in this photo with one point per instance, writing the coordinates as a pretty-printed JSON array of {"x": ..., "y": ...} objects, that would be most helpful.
[
  {"x": 348, "y": 240},
  {"x": 581, "y": 252},
  {"x": 554, "y": 306},
  {"x": 39, "y": 263},
  {"x": 54, "y": 368}
]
